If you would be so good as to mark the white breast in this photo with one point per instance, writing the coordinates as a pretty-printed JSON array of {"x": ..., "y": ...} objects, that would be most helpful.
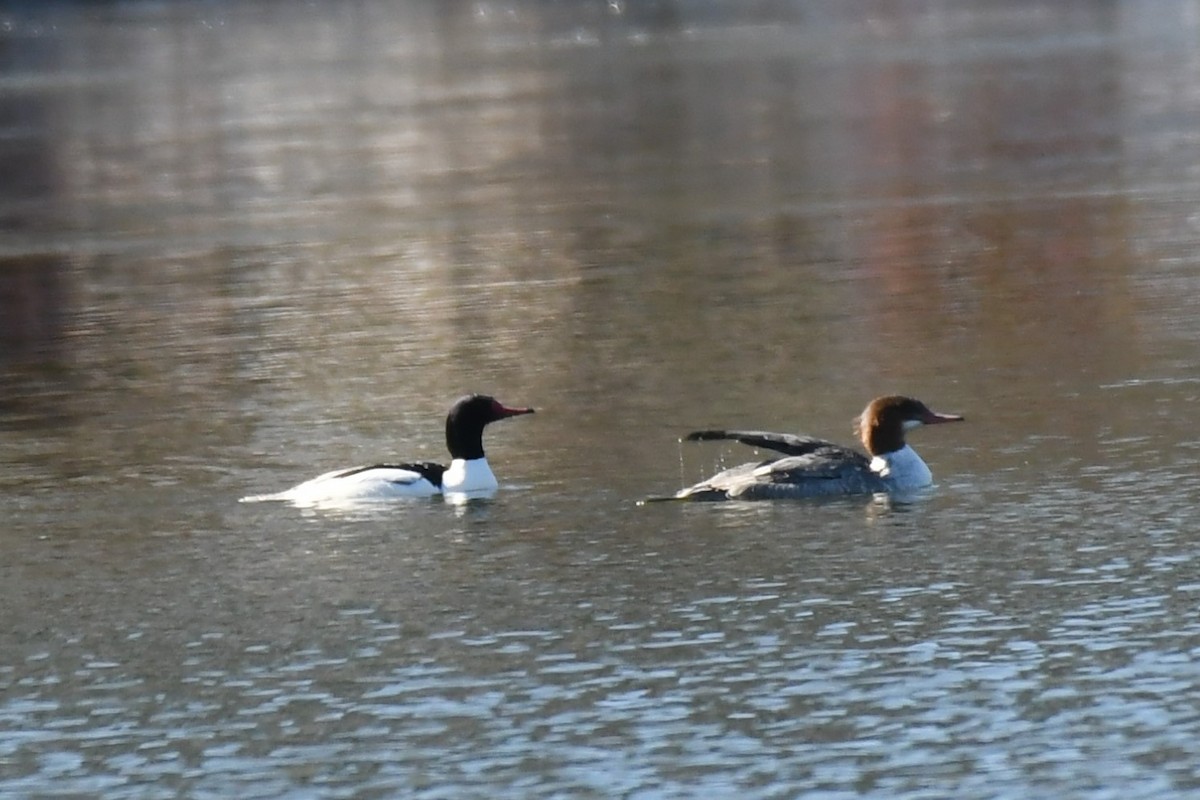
[{"x": 468, "y": 478}]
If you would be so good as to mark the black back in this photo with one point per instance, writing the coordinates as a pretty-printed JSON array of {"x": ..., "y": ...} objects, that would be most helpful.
[{"x": 426, "y": 469}]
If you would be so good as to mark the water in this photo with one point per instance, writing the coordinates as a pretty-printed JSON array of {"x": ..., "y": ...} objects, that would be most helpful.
[{"x": 246, "y": 243}]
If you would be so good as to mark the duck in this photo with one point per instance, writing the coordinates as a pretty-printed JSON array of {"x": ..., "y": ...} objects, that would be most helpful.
[
  {"x": 468, "y": 474},
  {"x": 810, "y": 467}
]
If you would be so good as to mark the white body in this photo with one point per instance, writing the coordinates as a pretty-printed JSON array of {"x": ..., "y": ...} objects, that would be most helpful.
[
  {"x": 463, "y": 480},
  {"x": 902, "y": 469},
  {"x": 381, "y": 483}
]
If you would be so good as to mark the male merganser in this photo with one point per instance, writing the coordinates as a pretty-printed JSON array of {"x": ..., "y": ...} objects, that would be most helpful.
[
  {"x": 816, "y": 468},
  {"x": 467, "y": 476}
]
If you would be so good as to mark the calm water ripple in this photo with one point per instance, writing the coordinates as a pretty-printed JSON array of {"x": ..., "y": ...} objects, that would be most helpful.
[{"x": 230, "y": 262}]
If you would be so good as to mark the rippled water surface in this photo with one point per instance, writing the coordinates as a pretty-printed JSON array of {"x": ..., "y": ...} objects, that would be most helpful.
[{"x": 244, "y": 243}]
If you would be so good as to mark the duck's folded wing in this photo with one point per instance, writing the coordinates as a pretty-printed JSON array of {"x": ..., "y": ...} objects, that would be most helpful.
[
  {"x": 825, "y": 472},
  {"x": 400, "y": 474},
  {"x": 789, "y": 444},
  {"x": 824, "y": 463}
]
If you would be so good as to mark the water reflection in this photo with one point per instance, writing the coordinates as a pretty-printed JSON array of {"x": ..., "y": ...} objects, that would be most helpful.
[{"x": 245, "y": 240}]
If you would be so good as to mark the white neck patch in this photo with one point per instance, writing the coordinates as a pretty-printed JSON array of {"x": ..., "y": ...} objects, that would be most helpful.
[
  {"x": 903, "y": 469},
  {"x": 469, "y": 477}
]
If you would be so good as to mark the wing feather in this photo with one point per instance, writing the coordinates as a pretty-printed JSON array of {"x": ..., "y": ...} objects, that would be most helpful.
[{"x": 790, "y": 444}]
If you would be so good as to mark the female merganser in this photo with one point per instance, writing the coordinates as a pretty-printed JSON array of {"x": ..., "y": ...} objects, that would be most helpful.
[
  {"x": 467, "y": 476},
  {"x": 816, "y": 468}
]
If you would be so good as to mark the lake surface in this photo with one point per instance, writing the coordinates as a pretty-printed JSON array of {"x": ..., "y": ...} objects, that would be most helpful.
[{"x": 245, "y": 243}]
